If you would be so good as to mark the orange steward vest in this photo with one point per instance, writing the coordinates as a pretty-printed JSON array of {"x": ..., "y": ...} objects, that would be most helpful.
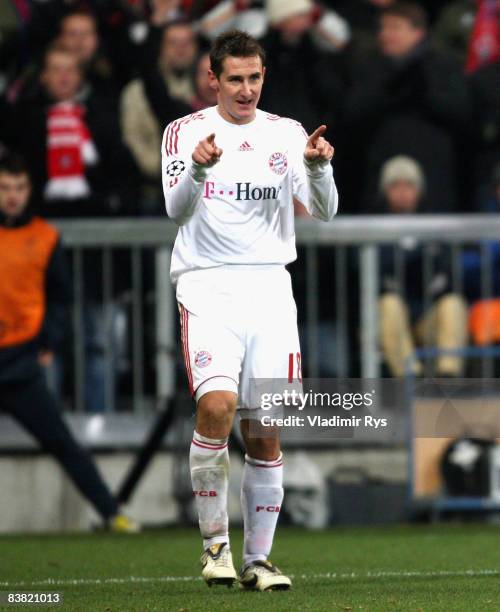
[{"x": 25, "y": 253}]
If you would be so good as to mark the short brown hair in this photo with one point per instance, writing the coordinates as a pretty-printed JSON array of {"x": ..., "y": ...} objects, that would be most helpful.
[
  {"x": 411, "y": 11},
  {"x": 234, "y": 43},
  {"x": 78, "y": 12},
  {"x": 13, "y": 164}
]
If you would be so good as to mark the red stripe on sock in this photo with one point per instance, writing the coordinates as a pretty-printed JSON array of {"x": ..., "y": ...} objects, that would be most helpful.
[
  {"x": 209, "y": 446},
  {"x": 263, "y": 465}
]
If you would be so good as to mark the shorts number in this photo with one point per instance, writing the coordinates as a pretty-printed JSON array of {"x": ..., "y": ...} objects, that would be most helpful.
[{"x": 292, "y": 359}]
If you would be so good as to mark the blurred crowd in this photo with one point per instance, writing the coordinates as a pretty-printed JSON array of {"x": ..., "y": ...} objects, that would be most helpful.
[
  {"x": 410, "y": 92},
  {"x": 87, "y": 87}
]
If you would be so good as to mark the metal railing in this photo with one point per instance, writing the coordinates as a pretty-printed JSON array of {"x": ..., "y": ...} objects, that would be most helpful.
[{"x": 346, "y": 236}]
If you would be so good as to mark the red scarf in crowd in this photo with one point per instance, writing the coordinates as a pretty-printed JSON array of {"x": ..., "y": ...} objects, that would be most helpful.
[
  {"x": 69, "y": 150},
  {"x": 484, "y": 46}
]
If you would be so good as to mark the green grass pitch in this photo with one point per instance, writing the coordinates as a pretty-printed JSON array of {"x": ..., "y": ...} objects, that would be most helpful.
[{"x": 419, "y": 568}]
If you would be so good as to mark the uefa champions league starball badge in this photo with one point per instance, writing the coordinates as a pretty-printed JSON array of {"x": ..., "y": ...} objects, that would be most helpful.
[
  {"x": 176, "y": 168},
  {"x": 278, "y": 163}
]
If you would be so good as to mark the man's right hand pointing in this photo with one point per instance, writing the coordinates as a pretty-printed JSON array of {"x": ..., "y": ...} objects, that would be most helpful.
[{"x": 207, "y": 153}]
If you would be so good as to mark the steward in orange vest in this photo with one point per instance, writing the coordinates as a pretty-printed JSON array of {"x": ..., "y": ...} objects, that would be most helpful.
[
  {"x": 34, "y": 284},
  {"x": 34, "y": 295}
]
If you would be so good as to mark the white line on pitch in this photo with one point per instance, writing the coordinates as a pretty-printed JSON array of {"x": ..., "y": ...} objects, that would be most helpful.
[{"x": 328, "y": 575}]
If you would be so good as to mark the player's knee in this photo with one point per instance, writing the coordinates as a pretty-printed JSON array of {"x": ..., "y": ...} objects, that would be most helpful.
[{"x": 217, "y": 407}]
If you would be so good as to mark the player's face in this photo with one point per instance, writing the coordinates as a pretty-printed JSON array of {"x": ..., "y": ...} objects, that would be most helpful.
[
  {"x": 15, "y": 192},
  {"x": 239, "y": 87}
]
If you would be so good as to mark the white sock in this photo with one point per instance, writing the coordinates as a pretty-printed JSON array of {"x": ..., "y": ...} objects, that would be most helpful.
[
  {"x": 261, "y": 497},
  {"x": 209, "y": 464}
]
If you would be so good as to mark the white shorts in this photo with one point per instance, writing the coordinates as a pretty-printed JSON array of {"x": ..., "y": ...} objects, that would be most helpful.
[{"x": 238, "y": 323}]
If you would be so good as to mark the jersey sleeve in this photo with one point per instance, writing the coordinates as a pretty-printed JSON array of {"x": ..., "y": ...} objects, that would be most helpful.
[
  {"x": 182, "y": 178},
  {"x": 313, "y": 183}
]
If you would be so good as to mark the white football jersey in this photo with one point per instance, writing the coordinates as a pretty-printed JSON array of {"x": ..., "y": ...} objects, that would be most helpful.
[{"x": 240, "y": 210}]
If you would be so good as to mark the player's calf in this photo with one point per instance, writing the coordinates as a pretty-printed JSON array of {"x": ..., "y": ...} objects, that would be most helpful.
[{"x": 261, "y": 498}]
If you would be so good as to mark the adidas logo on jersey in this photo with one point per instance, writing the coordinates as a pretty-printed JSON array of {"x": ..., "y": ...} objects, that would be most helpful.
[{"x": 245, "y": 146}]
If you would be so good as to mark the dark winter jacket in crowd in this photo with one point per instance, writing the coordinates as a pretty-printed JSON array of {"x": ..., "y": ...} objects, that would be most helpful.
[
  {"x": 302, "y": 82},
  {"x": 34, "y": 295},
  {"x": 413, "y": 106},
  {"x": 473, "y": 260},
  {"x": 419, "y": 273},
  {"x": 484, "y": 86}
]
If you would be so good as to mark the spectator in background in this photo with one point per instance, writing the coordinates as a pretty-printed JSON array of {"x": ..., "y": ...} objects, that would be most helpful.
[
  {"x": 484, "y": 87},
  {"x": 80, "y": 168},
  {"x": 163, "y": 93},
  {"x": 214, "y": 18},
  {"x": 72, "y": 144},
  {"x": 484, "y": 320},
  {"x": 303, "y": 80},
  {"x": 453, "y": 29},
  {"x": 79, "y": 35},
  {"x": 408, "y": 99},
  {"x": 363, "y": 18},
  {"x": 427, "y": 312},
  {"x": 134, "y": 31},
  {"x": 34, "y": 298},
  {"x": 401, "y": 187},
  {"x": 178, "y": 54},
  {"x": 164, "y": 12},
  {"x": 126, "y": 28},
  {"x": 39, "y": 21},
  {"x": 205, "y": 95},
  {"x": 45, "y": 18},
  {"x": 484, "y": 45},
  {"x": 27, "y": 27}
]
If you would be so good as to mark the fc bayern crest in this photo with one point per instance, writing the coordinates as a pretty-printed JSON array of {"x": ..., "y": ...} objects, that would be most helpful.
[
  {"x": 278, "y": 163},
  {"x": 176, "y": 167},
  {"x": 202, "y": 359}
]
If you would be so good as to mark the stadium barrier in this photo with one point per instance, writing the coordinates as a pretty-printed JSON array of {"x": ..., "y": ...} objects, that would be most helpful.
[{"x": 352, "y": 246}]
